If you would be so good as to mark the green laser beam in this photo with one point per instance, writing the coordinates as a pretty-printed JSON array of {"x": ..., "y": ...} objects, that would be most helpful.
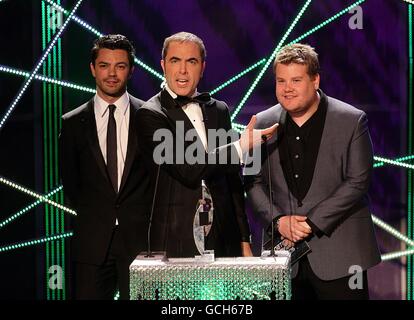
[
  {"x": 269, "y": 60},
  {"x": 34, "y": 242},
  {"x": 237, "y": 76},
  {"x": 86, "y": 26},
  {"x": 35, "y": 195},
  {"x": 42, "y": 78},
  {"x": 28, "y": 208}
]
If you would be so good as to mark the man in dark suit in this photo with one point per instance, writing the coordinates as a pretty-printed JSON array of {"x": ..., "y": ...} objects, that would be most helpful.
[
  {"x": 179, "y": 110},
  {"x": 321, "y": 162},
  {"x": 103, "y": 177}
]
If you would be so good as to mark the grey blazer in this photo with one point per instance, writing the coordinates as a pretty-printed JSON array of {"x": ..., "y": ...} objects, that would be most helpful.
[{"x": 336, "y": 202}]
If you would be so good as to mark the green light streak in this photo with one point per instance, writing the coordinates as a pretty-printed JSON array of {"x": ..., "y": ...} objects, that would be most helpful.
[
  {"x": 35, "y": 195},
  {"x": 324, "y": 23},
  {"x": 397, "y": 254},
  {"x": 28, "y": 208},
  {"x": 43, "y": 78},
  {"x": 269, "y": 60},
  {"x": 238, "y": 76},
  {"x": 86, "y": 26},
  {"x": 402, "y": 159},
  {"x": 391, "y": 230},
  {"x": 394, "y": 163},
  {"x": 410, "y": 175},
  {"x": 34, "y": 242}
]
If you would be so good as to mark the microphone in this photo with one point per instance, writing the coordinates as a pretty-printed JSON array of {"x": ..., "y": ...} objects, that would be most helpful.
[{"x": 149, "y": 253}]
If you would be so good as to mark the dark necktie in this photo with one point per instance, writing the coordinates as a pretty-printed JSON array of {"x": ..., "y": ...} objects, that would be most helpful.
[
  {"x": 202, "y": 98},
  {"x": 111, "y": 152}
]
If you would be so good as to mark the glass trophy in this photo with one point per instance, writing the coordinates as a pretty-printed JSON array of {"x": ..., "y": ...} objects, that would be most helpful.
[{"x": 203, "y": 221}]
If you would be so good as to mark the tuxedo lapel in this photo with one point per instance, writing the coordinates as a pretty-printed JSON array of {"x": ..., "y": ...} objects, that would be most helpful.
[
  {"x": 174, "y": 112},
  {"x": 92, "y": 136},
  {"x": 210, "y": 119}
]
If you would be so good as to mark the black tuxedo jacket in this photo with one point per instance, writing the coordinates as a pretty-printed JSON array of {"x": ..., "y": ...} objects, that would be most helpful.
[
  {"x": 179, "y": 185},
  {"x": 88, "y": 189}
]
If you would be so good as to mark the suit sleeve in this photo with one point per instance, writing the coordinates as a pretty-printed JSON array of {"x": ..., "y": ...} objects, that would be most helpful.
[
  {"x": 329, "y": 213},
  {"x": 68, "y": 163},
  {"x": 257, "y": 188},
  {"x": 237, "y": 193},
  {"x": 258, "y": 195},
  {"x": 190, "y": 175}
]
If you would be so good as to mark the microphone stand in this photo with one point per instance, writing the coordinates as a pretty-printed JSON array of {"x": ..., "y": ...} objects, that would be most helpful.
[
  {"x": 272, "y": 248},
  {"x": 149, "y": 253}
]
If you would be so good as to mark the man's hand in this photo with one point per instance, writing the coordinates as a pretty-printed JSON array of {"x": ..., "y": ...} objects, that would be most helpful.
[
  {"x": 246, "y": 249},
  {"x": 251, "y": 138},
  {"x": 294, "y": 228}
]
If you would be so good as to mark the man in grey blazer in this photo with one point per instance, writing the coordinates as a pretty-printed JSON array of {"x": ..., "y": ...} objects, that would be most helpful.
[{"x": 320, "y": 168}]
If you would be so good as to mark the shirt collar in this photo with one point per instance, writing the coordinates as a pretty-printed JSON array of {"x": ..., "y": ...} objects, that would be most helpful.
[
  {"x": 174, "y": 95},
  {"x": 101, "y": 106}
]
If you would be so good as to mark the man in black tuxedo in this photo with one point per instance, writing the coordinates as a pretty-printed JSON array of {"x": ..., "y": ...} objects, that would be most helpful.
[
  {"x": 178, "y": 109},
  {"x": 103, "y": 177}
]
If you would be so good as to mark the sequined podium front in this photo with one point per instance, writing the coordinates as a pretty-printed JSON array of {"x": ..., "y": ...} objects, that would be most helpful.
[{"x": 254, "y": 278}]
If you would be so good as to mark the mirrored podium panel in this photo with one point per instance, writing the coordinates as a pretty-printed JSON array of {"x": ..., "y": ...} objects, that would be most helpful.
[{"x": 252, "y": 278}]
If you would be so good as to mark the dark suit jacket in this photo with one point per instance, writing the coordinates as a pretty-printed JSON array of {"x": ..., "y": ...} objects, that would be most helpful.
[
  {"x": 337, "y": 201},
  {"x": 88, "y": 189},
  {"x": 179, "y": 187}
]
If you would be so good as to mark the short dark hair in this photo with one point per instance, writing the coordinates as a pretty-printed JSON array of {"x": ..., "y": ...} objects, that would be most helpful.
[
  {"x": 301, "y": 54},
  {"x": 113, "y": 41},
  {"x": 184, "y": 37}
]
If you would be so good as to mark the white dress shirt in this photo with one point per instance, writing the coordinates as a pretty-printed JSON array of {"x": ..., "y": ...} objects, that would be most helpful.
[
  {"x": 195, "y": 114},
  {"x": 121, "y": 115}
]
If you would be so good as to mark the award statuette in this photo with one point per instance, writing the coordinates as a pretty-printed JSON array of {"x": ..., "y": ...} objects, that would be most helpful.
[{"x": 203, "y": 220}]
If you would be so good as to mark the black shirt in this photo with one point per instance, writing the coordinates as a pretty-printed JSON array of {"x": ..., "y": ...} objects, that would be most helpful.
[{"x": 299, "y": 148}]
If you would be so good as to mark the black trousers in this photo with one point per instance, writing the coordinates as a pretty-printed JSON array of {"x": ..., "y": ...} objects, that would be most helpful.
[
  {"x": 101, "y": 282},
  {"x": 307, "y": 286}
]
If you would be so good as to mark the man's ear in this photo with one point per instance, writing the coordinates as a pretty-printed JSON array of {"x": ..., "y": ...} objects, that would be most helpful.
[
  {"x": 131, "y": 71},
  {"x": 163, "y": 65},
  {"x": 203, "y": 68},
  {"x": 316, "y": 81},
  {"x": 92, "y": 67}
]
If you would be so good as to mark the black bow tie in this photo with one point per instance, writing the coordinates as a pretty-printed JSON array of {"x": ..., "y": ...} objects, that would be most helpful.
[{"x": 202, "y": 98}]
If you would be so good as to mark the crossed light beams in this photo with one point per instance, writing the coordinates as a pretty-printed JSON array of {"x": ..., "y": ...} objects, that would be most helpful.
[
  {"x": 97, "y": 33},
  {"x": 237, "y": 126},
  {"x": 75, "y": 86},
  {"x": 386, "y": 227},
  {"x": 40, "y": 197},
  {"x": 273, "y": 55},
  {"x": 146, "y": 67},
  {"x": 28, "y": 208},
  {"x": 46, "y": 79},
  {"x": 269, "y": 60},
  {"x": 38, "y": 65}
]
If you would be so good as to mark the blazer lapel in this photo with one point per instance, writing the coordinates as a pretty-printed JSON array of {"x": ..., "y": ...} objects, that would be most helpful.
[
  {"x": 92, "y": 136},
  {"x": 132, "y": 145}
]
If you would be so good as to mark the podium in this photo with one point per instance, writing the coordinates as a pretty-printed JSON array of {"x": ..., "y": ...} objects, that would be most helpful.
[{"x": 241, "y": 278}]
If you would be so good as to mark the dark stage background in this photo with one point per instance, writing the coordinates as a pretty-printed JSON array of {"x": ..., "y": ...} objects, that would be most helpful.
[{"x": 368, "y": 68}]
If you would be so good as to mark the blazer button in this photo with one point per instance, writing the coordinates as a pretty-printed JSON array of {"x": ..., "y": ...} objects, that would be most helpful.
[{"x": 117, "y": 206}]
